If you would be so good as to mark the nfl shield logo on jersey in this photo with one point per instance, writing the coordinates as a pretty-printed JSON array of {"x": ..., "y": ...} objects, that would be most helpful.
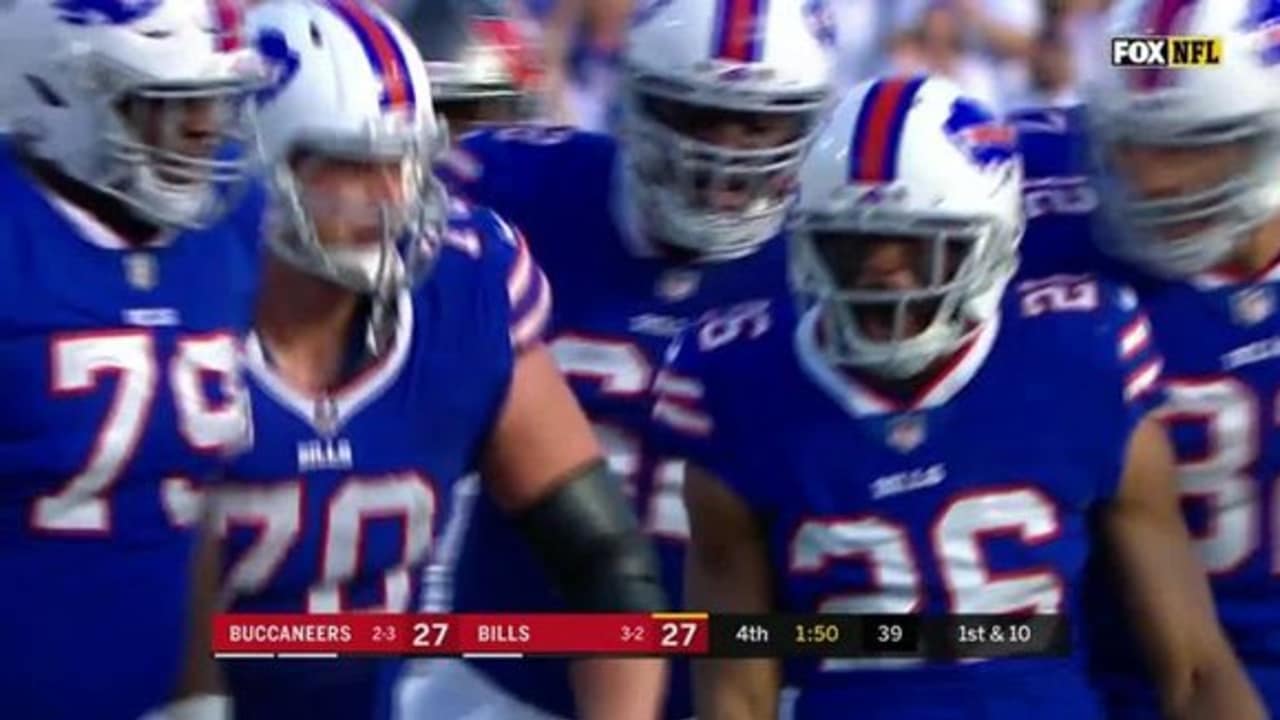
[
  {"x": 905, "y": 433},
  {"x": 140, "y": 270},
  {"x": 1253, "y": 305},
  {"x": 324, "y": 416},
  {"x": 677, "y": 285}
]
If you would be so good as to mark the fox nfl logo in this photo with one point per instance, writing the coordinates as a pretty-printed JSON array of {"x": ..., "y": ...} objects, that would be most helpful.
[{"x": 1166, "y": 52}]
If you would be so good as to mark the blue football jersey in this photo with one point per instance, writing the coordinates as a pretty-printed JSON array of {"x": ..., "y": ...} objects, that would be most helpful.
[
  {"x": 338, "y": 505},
  {"x": 972, "y": 497},
  {"x": 618, "y": 306},
  {"x": 1219, "y": 336},
  {"x": 119, "y": 367}
]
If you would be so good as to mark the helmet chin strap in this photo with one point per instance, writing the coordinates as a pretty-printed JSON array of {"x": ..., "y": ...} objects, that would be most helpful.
[
  {"x": 171, "y": 202},
  {"x": 378, "y": 271}
]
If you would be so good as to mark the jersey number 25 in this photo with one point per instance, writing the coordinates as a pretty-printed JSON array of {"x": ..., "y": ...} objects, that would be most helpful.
[{"x": 622, "y": 370}]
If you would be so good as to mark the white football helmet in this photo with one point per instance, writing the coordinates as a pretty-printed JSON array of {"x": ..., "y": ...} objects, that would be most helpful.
[
  {"x": 99, "y": 89},
  {"x": 348, "y": 84},
  {"x": 476, "y": 50},
  {"x": 686, "y": 61},
  {"x": 1235, "y": 102},
  {"x": 907, "y": 158}
]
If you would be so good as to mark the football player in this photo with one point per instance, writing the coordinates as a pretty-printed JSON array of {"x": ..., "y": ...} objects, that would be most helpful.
[
  {"x": 887, "y": 448},
  {"x": 396, "y": 345},
  {"x": 1185, "y": 166},
  {"x": 129, "y": 266},
  {"x": 483, "y": 65},
  {"x": 639, "y": 236}
]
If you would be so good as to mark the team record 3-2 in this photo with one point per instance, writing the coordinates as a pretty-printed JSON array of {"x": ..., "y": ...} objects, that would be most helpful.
[{"x": 696, "y": 634}]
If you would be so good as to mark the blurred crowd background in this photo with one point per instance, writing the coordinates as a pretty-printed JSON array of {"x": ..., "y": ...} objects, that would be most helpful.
[{"x": 1011, "y": 53}]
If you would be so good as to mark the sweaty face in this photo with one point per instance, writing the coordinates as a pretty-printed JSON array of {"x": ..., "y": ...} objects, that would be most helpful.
[
  {"x": 1155, "y": 173},
  {"x": 179, "y": 127},
  {"x": 353, "y": 204},
  {"x": 893, "y": 265},
  {"x": 747, "y": 176}
]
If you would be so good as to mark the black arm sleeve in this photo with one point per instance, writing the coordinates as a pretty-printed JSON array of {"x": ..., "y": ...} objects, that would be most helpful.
[{"x": 589, "y": 541}]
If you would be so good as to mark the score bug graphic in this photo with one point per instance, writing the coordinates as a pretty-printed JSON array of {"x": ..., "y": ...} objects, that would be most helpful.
[{"x": 896, "y": 638}]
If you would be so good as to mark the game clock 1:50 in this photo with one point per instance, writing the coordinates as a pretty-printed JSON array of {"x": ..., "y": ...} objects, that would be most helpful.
[
  {"x": 820, "y": 635},
  {"x": 817, "y": 633}
]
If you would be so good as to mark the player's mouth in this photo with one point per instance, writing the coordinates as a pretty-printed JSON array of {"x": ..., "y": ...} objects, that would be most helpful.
[
  {"x": 725, "y": 194},
  {"x": 366, "y": 237},
  {"x": 876, "y": 321},
  {"x": 1179, "y": 231}
]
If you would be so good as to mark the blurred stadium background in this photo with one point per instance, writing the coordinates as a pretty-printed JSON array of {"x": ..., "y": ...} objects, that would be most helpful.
[{"x": 1011, "y": 53}]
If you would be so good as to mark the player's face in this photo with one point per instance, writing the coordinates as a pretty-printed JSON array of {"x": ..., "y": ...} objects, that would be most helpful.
[
  {"x": 892, "y": 264},
  {"x": 1158, "y": 173},
  {"x": 734, "y": 131},
  {"x": 352, "y": 203},
  {"x": 194, "y": 127}
]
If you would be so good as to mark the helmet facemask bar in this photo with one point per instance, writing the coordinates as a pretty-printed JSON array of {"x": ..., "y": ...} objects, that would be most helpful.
[
  {"x": 1221, "y": 214},
  {"x": 409, "y": 234},
  {"x": 179, "y": 155},
  {"x": 678, "y": 176},
  {"x": 468, "y": 107},
  {"x": 963, "y": 266}
]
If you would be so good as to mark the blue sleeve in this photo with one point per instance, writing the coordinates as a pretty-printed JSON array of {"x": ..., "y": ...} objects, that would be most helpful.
[
  {"x": 475, "y": 169},
  {"x": 509, "y": 168},
  {"x": 506, "y": 258},
  {"x": 1058, "y": 196},
  {"x": 1053, "y": 141},
  {"x": 1102, "y": 358},
  {"x": 1132, "y": 367}
]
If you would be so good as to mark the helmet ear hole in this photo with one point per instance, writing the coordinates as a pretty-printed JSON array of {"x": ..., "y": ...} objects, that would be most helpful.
[{"x": 317, "y": 40}]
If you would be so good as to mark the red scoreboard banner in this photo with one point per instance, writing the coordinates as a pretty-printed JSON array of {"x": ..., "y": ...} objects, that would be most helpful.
[{"x": 461, "y": 634}]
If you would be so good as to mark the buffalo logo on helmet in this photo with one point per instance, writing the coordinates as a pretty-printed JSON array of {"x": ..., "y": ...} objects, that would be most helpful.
[
  {"x": 281, "y": 63},
  {"x": 1264, "y": 22},
  {"x": 104, "y": 12},
  {"x": 645, "y": 10},
  {"x": 979, "y": 134},
  {"x": 822, "y": 22}
]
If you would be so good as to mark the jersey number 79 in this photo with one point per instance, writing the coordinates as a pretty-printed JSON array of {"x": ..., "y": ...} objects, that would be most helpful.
[{"x": 79, "y": 363}]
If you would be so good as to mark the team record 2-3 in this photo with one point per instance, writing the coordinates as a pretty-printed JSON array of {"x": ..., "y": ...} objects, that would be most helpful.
[{"x": 695, "y": 634}]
